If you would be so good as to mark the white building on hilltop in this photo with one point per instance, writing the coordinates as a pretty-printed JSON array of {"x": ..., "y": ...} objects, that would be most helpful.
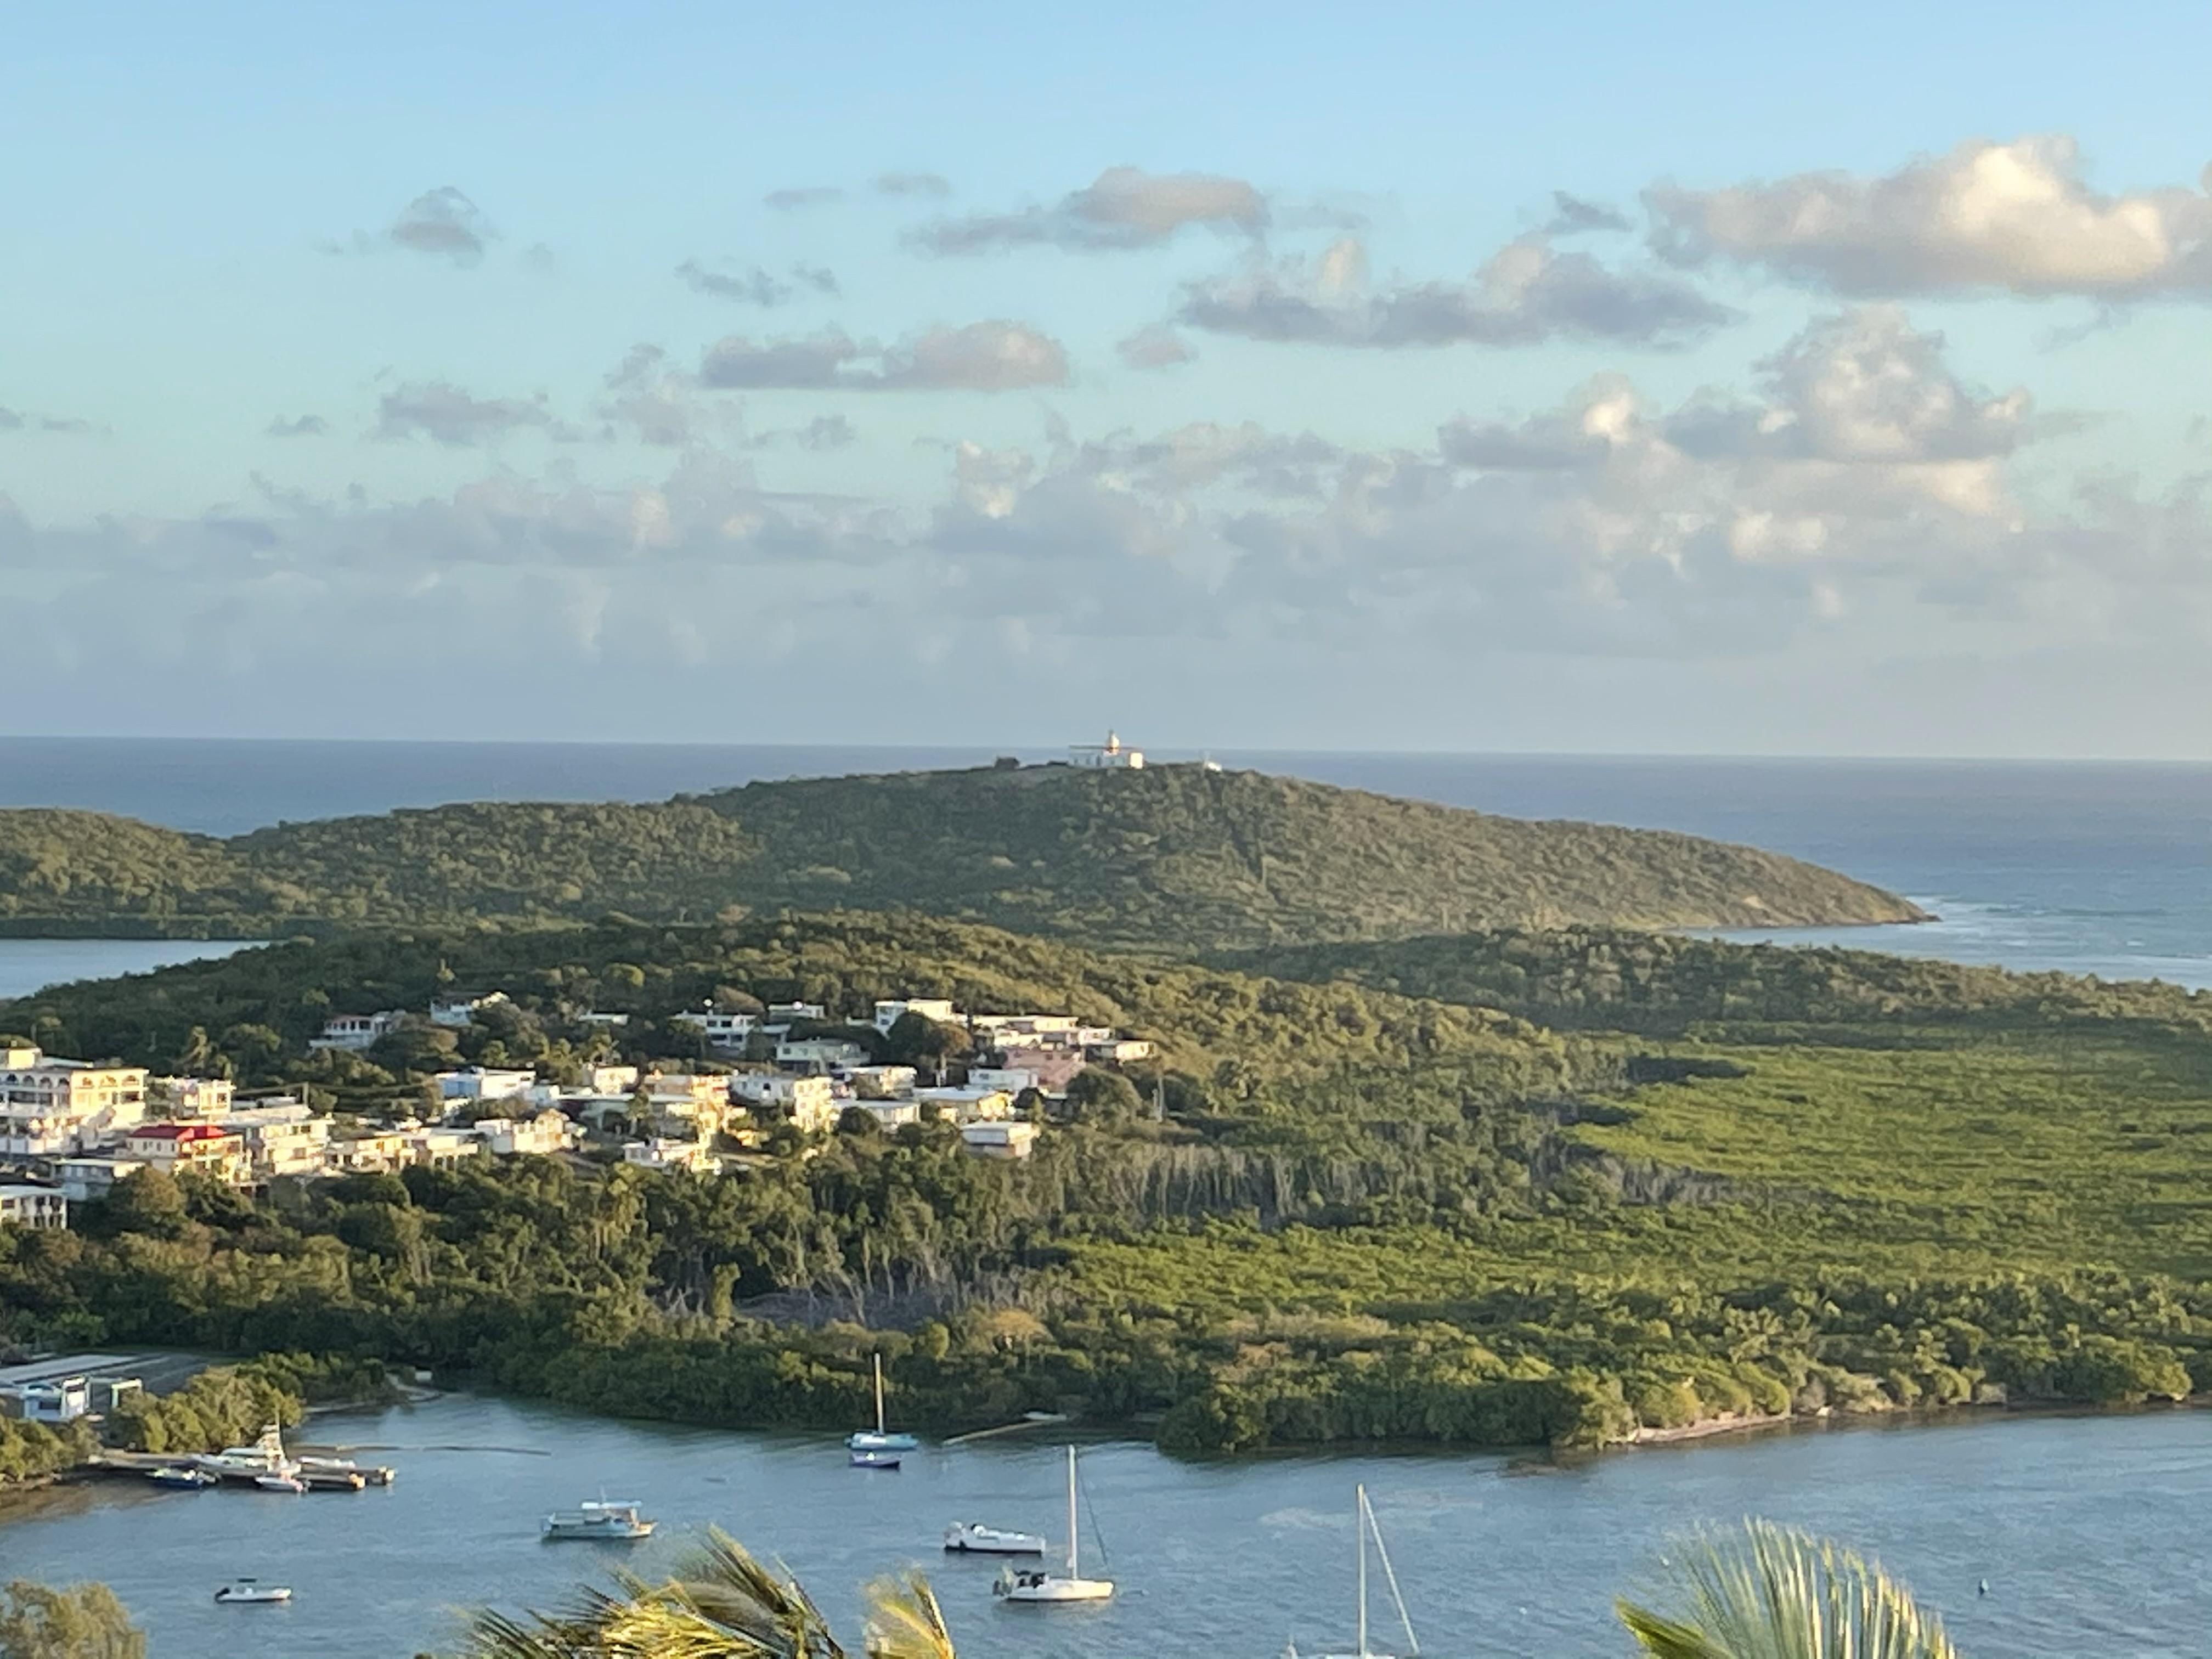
[
  {"x": 352, "y": 1033},
  {"x": 939, "y": 1009},
  {"x": 50, "y": 1107},
  {"x": 1110, "y": 754}
]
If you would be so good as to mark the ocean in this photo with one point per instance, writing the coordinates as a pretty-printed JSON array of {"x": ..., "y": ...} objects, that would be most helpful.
[{"x": 2083, "y": 867}]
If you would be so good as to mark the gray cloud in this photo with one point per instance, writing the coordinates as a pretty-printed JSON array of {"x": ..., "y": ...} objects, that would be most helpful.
[
  {"x": 807, "y": 195},
  {"x": 302, "y": 425},
  {"x": 1527, "y": 292},
  {"x": 755, "y": 286},
  {"x": 444, "y": 413},
  {"x": 444, "y": 224},
  {"x": 1155, "y": 348},
  {"x": 986, "y": 356},
  {"x": 2018, "y": 217},
  {"x": 826, "y": 432},
  {"x": 1123, "y": 208},
  {"x": 1572, "y": 215},
  {"x": 820, "y": 278},
  {"x": 14, "y": 420},
  {"x": 912, "y": 184}
]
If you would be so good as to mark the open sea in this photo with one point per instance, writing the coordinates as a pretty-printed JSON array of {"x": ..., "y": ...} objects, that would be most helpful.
[{"x": 2081, "y": 866}]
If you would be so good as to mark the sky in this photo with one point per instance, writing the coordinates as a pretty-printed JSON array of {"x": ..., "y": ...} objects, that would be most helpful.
[{"x": 1617, "y": 378}]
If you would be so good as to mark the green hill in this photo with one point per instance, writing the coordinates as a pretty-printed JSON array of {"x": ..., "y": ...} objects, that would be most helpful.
[{"x": 1169, "y": 857}]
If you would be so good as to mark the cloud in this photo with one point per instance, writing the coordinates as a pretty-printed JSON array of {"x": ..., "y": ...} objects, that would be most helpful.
[
  {"x": 444, "y": 413},
  {"x": 1526, "y": 292},
  {"x": 755, "y": 286},
  {"x": 1862, "y": 386},
  {"x": 912, "y": 184},
  {"x": 303, "y": 425},
  {"x": 444, "y": 224},
  {"x": 820, "y": 278},
  {"x": 1155, "y": 348},
  {"x": 1572, "y": 215},
  {"x": 985, "y": 356},
  {"x": 2015, "y": 217},
  {"x": 826, "y": 432},
  {"x": 807, "y": 195},
  {"x": 1123, "y": 208},
  {"x": 16, "y": 420}
]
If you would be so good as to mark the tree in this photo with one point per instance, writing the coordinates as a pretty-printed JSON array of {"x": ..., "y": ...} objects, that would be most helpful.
[
  {"x": 917, "y": 1038},
  {"x": 147, "y": 1201},
  {"x": 83, "y": 1621},
  {"x": 1095, "y": 1097},
  {"x": 1775, "y": 1593}
]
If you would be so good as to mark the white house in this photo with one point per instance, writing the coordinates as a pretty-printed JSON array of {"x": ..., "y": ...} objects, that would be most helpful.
[
  {"x": 353, "y": 1032},
  {"x": 435, "y": 1149},
  {"x": 1002, "y": 1139},
  {"x": 192, "y": 1097},
  {"x": 820, "y": 1054},
  {"x": 546, "y": 1133},
  {"x": 941, "y": 1009},
  {"x": 967, "y": 1105},
  {"x": 1117, "y": 1050},
  {"x": 722, "y": 1028},
  {"x": 283, "y": 1138},
  {"x": 891, "y": 1113},
  {"x": 194, "y": 1148},
  {"x": 782, "y": 1016},
  {"x": 664, "y": 1154},
  {"x": 483, "y": 1083},
  {"x": 40, "y": 1208},
  {"x": 367, "y": 1153},
  {"x": 454, "y": 1010},
  {"x": 84, "y": 1179},
  {"x": 610, "y": 1079},
  {"x": 880, "y": 1082},
  {"x": 50, "y": 1107},
  {"x": 812, "y": 1101},
  {"x": 64, "y": 1400}
]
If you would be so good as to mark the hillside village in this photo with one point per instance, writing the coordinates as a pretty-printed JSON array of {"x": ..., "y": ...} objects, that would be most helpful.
[{"x": 771, "y": 1080}]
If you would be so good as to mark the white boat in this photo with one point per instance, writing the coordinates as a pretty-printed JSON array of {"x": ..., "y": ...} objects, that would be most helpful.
[
  {"x": 876, "y": 1439},
  {"x": 1364, "y": 1525},
  {"x": 974, "y": 1538},
  {"x": 864, "y": 1459},
  {"x": 264, "y": 1457},
  {"x": 276, "y": 1482},
  {"x": 252, "y": 1590},
  {"x": 1019, "y": 1585},
  {"x": 598, "y": 1520},
  {"x": 180, "y": 1478}
]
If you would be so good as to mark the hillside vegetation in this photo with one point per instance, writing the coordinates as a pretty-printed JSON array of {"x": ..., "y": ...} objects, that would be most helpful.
[
  {"x": 1169, "y": 857},
  {"x": 1367, "y": 1214}
]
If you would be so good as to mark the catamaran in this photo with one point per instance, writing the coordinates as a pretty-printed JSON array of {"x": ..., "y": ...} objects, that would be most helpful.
[
  {"x": 875, "y": 1439},
  {"x": 598, "y": 1520},
  {"x": 1365, "y": 1523},
  {"x": 1022, "y": 1585}
]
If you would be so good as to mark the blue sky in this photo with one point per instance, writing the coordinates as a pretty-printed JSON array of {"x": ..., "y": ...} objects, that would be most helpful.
[{"x": 1236, "y": 374}]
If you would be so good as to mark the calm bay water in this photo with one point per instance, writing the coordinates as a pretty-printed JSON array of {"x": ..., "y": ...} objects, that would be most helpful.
[
  {"x": 2080, "y": 866},
  {"x": 2079, "y": 1524}
]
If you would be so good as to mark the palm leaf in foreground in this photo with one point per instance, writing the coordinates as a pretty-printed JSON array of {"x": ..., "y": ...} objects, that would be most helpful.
[
  {"x": 904, "y": 1621},
  {"x": 1775, "y": 1593},
  {"x": 721, "y": 1604}
]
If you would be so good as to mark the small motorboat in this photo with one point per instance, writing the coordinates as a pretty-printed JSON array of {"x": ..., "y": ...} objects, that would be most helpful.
[
  {"x": 179, "y": 1478},
  {"x": 875, "y": 1460},
  {"x": 974, "y": 1538},
  {"x": 274, "y": 1481},
  {"x": 252, "y": 1590},
  {"x": 602, "y": 1519}
]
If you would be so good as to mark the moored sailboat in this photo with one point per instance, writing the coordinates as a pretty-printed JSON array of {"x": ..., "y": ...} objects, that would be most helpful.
[
  {"x": 1364, "y": 1524},
  {"x": 1020, "y": 1585},
  {"x": 878, "y": 1439}
]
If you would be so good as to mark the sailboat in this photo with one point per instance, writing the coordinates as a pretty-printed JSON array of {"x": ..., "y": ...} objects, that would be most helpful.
[
  {"x": 876, "y": 1440},
  {"x": 1366, "y": 1524},
  {"x": 1020, "y": 1584}
]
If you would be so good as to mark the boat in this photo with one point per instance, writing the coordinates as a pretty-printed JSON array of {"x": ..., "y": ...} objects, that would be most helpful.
[
  {"x": 274, "y": 1481},
  {"x": 876, "y": 1439},
  {"x": 1021, "y": 1586},
  {"x": 974, "y": 1538},
  {"x": 252, "y": 1590},
  {"x": 332, "y": 1480},
  {"x": 264, "y": 1457},
  {"x": 598, "y": 1520},
  {"x": 1366, "y": 1525},
  {"x": 875, "y": 1460},
  {"x": 184, "y": 1478},
  {"x": 372, "y": 1475}
]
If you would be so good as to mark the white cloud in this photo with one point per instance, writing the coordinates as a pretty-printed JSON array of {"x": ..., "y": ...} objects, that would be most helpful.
[
  {"x": 994, "y": 356},
  {"x": 2017, "y": 216},
  {"x": 443, "y": 412}
]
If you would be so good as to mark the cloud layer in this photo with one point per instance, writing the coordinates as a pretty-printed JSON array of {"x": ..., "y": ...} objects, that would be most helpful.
[
  {"x": 986, "y": 356},
  {"x": 1124, "y": 208}
]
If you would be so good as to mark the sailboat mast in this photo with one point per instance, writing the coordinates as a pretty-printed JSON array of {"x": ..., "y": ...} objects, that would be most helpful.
[
  {"x": 1072, "y": 1572},
  {"x": 879, "y": 1394},
  {"x": 1359, "y": 1543}
]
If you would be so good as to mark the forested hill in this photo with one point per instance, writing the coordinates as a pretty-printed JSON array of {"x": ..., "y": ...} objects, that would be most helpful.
[{"x": 1175, "y": 858}]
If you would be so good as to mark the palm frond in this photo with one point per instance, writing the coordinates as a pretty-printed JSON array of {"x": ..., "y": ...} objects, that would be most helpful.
[
  {"x": 1777, "y": 1593},
  {"x": 904, "y": 1621}
]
